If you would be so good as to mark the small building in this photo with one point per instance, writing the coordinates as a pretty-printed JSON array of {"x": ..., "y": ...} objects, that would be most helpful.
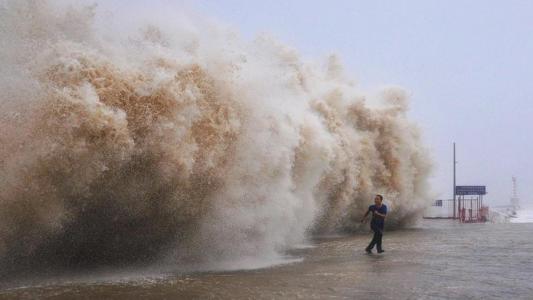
[
  {"x": 440, "y": 209},
  {"x": 467, "y": 207}
]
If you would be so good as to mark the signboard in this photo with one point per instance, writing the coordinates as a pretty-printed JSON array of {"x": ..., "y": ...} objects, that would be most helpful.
[{"x": 470, "y": 190}]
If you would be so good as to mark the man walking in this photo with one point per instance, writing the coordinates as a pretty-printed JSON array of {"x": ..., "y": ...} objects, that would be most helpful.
[{"x": 379, "y": 211}]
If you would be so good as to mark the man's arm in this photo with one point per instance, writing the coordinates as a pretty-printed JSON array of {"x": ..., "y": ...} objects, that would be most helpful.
[
  {"x": 380, "y": 214},
  {"x": 366, "y": 214}
]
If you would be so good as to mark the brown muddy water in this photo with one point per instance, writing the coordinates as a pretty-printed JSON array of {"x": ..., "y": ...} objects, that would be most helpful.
[{"x": 439, "y": 259}]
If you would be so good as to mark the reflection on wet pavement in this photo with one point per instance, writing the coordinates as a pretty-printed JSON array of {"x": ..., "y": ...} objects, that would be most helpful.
[{"x": 437, "y": 260}]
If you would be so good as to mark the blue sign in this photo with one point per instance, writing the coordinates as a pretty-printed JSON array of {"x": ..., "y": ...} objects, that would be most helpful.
[{"x": 470, "y": 190}]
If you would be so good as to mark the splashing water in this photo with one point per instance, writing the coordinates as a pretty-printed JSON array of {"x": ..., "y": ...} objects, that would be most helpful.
[{"x": 184, "y": 142}]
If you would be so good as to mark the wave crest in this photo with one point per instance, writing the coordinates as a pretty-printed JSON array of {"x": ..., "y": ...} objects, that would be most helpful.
[{"x": 192, "y": 145}]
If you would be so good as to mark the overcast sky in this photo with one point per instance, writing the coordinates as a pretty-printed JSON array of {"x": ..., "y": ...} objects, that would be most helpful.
[{"x": 467, "y": 63}]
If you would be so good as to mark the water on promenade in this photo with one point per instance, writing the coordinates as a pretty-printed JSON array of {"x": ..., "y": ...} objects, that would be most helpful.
[{"x": 437, "y": 260}]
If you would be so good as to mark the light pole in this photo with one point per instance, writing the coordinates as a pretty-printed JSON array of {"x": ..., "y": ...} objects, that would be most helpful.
[{"x": 454, "y": 163}]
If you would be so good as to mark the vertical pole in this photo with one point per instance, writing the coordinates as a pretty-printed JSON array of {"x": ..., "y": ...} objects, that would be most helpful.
[
  {"x": 454, "y": 162},
  {"x": 481, "y": 205},
  {"x": 472, "y": 209},
  {"x": 477, "y": 208},
  {"x": 459, "y": 207}
]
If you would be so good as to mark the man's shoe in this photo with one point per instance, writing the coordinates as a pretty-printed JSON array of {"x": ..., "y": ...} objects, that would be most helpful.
[
  {"x": 381, "y": 251},
  {"x": 369, "y": 251}
]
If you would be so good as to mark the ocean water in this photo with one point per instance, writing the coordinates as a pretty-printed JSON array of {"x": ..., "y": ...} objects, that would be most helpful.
[
  {"x": 523, "y": 216},
  {"x": 129, "y": 139},
  {"x": 169, "y": 142},
  {"x": 436, "y": 260}
]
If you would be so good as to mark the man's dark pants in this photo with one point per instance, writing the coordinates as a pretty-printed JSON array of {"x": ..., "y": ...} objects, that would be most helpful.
[{"x": 378, "y": 235}]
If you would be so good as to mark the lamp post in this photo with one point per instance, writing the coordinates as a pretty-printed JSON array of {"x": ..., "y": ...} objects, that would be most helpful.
[{"x": 454, "y": 163}]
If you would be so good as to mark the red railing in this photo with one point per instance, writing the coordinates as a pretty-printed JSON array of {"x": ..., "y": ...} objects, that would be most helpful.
[{"x": 472, "y": 215}]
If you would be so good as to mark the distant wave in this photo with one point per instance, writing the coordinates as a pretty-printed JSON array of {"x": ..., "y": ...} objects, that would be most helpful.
[{"x": 523, "y": 216}]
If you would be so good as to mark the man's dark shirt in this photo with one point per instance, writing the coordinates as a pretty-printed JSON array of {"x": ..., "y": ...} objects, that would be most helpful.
[{"x": 378, "y": 221}]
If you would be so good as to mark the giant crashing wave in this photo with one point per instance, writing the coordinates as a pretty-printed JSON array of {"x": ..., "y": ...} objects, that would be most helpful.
[{"x": 184, "y": 143}]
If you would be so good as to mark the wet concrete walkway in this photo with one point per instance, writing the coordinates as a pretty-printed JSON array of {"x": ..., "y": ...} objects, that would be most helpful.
[{"x": 440, "y": 259}]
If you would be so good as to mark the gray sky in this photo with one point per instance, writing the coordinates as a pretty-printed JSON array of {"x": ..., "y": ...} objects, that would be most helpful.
[{"x": 467, "y": 63}]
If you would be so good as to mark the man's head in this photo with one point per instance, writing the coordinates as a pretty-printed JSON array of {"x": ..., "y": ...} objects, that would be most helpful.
[{"x": 378, "y": 199}]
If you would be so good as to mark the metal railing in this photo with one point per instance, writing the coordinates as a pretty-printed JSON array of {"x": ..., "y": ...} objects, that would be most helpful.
[{"x": 467, "y": 210}]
